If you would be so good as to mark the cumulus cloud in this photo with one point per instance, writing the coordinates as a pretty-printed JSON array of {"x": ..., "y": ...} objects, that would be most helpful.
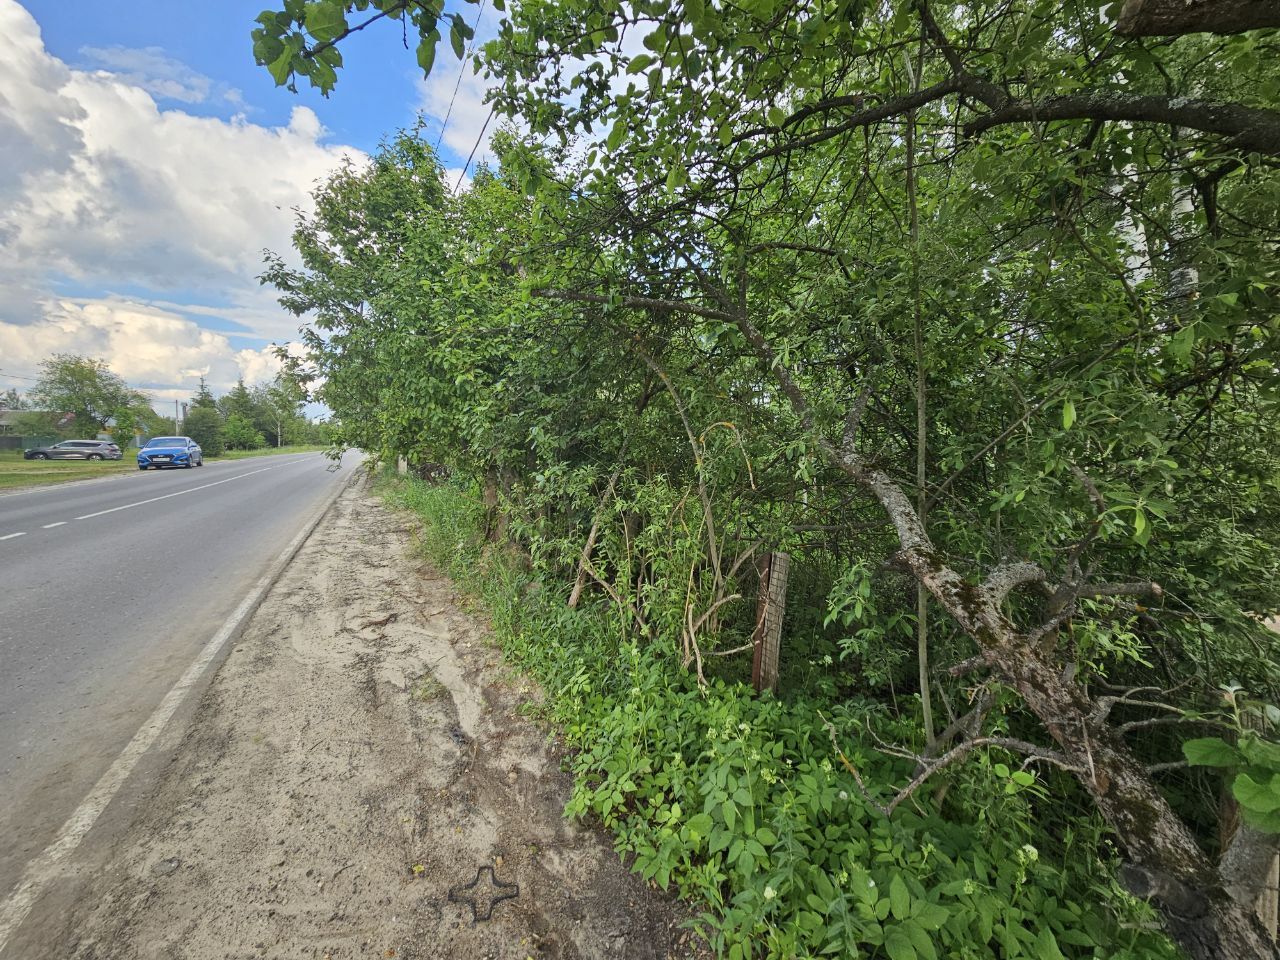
[
  {"x": 103, "y": 189},
  {"x": 158, "y": 351}
]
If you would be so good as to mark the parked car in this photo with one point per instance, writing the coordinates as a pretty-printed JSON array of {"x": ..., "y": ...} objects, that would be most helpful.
[
  {"x": 170, "y": 452},
  {"x": 75, "y": 450}
]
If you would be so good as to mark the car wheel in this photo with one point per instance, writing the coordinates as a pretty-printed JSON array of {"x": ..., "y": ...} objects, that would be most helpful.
[
  {"x": 41, "y": 456},
  {"x": 141, "y": 467},
  {"x": 189, "y": 464},
  {"x": 95, "y": 456}
]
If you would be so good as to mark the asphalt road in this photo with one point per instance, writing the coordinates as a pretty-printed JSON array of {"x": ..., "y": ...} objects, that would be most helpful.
[{"x": 108, "y": 591}]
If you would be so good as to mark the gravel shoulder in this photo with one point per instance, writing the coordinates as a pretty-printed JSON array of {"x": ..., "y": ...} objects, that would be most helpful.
[{"x": 359, "y": 759}]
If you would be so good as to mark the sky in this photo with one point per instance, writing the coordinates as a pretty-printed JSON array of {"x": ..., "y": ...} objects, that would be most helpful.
[{"x": 146, "y": 163}]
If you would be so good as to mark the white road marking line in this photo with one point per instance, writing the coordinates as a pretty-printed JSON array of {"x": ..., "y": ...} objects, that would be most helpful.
[
  {"x": 44, "y": 868},
  {"x": 50, "y": 526},
  {"x": 12, "y": 535},
  {"x": 203, "y": 486}
]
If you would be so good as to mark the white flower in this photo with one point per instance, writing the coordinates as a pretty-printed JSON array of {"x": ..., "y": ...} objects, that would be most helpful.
[
  {"x": 844, "y": 794},
  {"x": 769, "y": 893}
]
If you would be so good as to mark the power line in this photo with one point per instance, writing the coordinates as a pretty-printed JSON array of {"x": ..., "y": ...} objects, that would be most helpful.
[
  {"x": 18, "y": 376},
  {"x": 462, "y": 176},
  {"x": 462, "y": 69}
]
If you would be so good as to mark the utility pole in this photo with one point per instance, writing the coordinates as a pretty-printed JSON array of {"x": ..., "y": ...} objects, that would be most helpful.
[{"x": 176, "y": 425}]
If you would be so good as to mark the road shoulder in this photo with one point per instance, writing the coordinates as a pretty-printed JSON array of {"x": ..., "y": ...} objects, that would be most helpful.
[{"x": 360, "y": 759}]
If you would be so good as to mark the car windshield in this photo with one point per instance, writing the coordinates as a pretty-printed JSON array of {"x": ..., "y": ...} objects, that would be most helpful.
[{"x": 167, "y": 442}]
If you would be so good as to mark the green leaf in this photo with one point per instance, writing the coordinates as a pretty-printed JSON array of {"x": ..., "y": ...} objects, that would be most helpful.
[
  {"x": 730, "y": 814},
  {"x": 640, "y": 63},
  {"x": 326, "y": 20},
  {"x": 921, "y": 940},
  {"x": 281, "y": 68},
  {"x": 1068, "y": 415},
  {"x": 1047, "y": 946},
  {"x": 699, "y": 825},
  {"x": 1261, "y": 753},
  {"x": 899, "y": 898},
  {"x": 1211, "y": 752},
  {"x": 266, "y": 50},
  {"x": 898, "y": 945},
  {"x": 427, "y": 51},
  {"x": 616, "y": 135},
  {"x": 766, "y": 836},
  {"x": 456, "y": 38},
  {"x": 1261, "y": 797}
]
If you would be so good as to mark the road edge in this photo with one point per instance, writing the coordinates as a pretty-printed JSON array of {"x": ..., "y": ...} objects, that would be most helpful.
[{"x": 45, "y": 867}]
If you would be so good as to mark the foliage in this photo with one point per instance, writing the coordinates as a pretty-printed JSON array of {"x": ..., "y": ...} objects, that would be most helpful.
[
  {"x": 204, "y": 426},
  {"x": 86, "y": 389},
  {"x": 973, "y": 311},
  {"x": 736, "y": 799},
  {"x": 204, "y": 398},
  {"x": 239, "y": 433}
]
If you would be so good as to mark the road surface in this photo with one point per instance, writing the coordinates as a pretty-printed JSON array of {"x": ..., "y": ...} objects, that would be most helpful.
[{"x": 108, "y": 591}]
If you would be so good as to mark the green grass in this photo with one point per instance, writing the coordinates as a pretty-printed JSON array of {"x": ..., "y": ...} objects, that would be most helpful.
[{"x": 17, "y": 474}]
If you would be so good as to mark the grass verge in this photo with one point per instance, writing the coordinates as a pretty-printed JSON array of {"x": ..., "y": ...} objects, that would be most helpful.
[{"x": 16, "y": 473}]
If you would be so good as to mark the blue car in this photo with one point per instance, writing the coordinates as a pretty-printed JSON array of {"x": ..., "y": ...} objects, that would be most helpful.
[{"x": 170, "y": 452}]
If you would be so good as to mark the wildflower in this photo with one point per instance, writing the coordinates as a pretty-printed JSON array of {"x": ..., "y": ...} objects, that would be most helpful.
[
  {"x": 769, "y": 893},
  {"x": 844, "y": 794}
]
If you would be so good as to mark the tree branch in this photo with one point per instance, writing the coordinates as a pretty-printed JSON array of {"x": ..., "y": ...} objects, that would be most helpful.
[{"x": 1250, "y": 129}]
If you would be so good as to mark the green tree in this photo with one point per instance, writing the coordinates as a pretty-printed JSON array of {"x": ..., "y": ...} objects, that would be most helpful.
[
  {"x": 239, "y": 433},
  {"x": 204, "y": 398},
  {"x": 986, "y": 298},
  {"x": 12, "y": 400},
  {"x": 280, "y": 403},
  {"x": 204, "y": 426},
  {"x": 238, "y": 401},
  {"x": 84, "y": 388}
]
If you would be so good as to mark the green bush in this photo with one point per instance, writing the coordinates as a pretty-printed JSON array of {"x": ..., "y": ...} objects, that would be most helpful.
[
  {"x": 742, "y": 803},
  {"x": 204, "y": 426}
]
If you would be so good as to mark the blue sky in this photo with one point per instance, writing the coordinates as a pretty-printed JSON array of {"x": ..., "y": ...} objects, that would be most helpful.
[
  {"x": 146, "y": 162},
  {"x": 377, "y": 92}
]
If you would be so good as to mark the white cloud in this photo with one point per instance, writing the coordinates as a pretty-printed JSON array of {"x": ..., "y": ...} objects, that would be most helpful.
[
  {"x": 105, "y": 190},
  {"x": 468, "y": 116},
  {"x": 161, "y": 76},
  {"x": 158, "y": 351}
]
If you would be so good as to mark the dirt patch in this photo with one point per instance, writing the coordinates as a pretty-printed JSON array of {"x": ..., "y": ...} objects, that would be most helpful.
[{"x": 360, "y": 759}]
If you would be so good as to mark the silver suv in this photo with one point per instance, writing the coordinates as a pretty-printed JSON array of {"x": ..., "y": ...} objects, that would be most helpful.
[{"x": 75, "y": 450}]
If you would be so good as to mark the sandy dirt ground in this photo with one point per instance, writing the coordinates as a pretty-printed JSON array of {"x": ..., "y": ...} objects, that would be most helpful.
[{"x": 360, "y": 758}]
